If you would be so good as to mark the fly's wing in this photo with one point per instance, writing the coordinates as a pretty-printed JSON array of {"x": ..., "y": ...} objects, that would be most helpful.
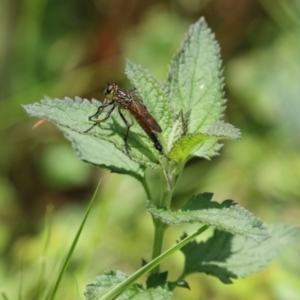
[{"x": 143, "y": 117}]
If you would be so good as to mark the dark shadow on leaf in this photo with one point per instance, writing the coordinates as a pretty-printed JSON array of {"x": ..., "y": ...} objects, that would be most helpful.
[
  {"x": 204, "y": 201},
  {"x": 134, "y": 140},
  {"x": 209, "y": 256},
  {"x": 103, "y": 154},
  {"x": 227, "y": 256},
  {"x": 157, "y": 279}
]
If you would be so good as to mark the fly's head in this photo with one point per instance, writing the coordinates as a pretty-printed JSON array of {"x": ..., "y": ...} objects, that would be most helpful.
[{"x": 110, "y": 90}]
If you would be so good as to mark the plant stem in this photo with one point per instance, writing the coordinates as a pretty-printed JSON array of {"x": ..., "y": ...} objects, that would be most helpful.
[
  {"x": 169, "y": 173},
  {"x": 167, "y": 187},
  {"x": 146, "y": 188},
  {"x": 159, "y": 228},
  {"x": 120, "y": 288}
]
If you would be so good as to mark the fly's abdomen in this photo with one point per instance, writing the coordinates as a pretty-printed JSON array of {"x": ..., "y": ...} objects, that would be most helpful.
[{"x": 149, "y": 131}]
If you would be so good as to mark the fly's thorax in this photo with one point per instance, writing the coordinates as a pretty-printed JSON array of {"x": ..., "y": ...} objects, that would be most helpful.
[{"x": 123, "y": 98}]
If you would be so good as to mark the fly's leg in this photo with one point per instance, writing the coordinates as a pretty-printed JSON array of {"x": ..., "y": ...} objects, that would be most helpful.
[
  {"x": 127, "y": 131},
  {"x": 98, "y": 113},
  {"x": 100, "y": 109}
]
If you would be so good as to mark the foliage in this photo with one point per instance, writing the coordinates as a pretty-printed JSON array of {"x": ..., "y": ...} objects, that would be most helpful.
[{"x": 189, "y": 106}]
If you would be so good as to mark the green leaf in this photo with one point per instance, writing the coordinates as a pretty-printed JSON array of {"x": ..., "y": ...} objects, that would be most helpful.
[
  {"x": 157, "y": 279},
  {"x": 227, "y": 216},
  {"x": 103, "y": 154},
  {"x": 178, "y": 129},
  {"x": 160, "y": 279},
  {"x": 195, "y": 78},
  {"x": 226, "y": 256},
  {"x": 223, "y": 131},
  {"x": 110, "y": 279},
  {"x": 72, "y": 115},
  {"x": 152, "y": 94},
  {"x": 179, "y": 283},
  {"x": 208, "y": 149},
  {"x": 195, "y": 81},
  {"x": 186, "y": 145}
]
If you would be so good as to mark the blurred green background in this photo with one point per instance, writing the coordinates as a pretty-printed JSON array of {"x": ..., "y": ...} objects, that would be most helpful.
[{"x": 67, "y": 48}]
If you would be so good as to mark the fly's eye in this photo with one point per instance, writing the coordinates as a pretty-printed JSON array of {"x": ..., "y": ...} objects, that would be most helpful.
[{"x": 109, "y": 88}]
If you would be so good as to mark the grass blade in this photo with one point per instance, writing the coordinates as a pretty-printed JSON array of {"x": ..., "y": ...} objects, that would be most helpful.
[{"x": 73, "y": 245}]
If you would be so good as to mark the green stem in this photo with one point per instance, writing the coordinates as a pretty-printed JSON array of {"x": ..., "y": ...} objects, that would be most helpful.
[
  {"x": 119, "y": 289},
  {"x": 167, "y": 188},
  {"x": 159, "y": 227},
  {"x": 169, "y": 174},
  {"x": 146, "y": 188}
]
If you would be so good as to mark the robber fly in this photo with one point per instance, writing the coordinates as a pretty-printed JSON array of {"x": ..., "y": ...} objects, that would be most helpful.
[{"x": 123, "y": 99}]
